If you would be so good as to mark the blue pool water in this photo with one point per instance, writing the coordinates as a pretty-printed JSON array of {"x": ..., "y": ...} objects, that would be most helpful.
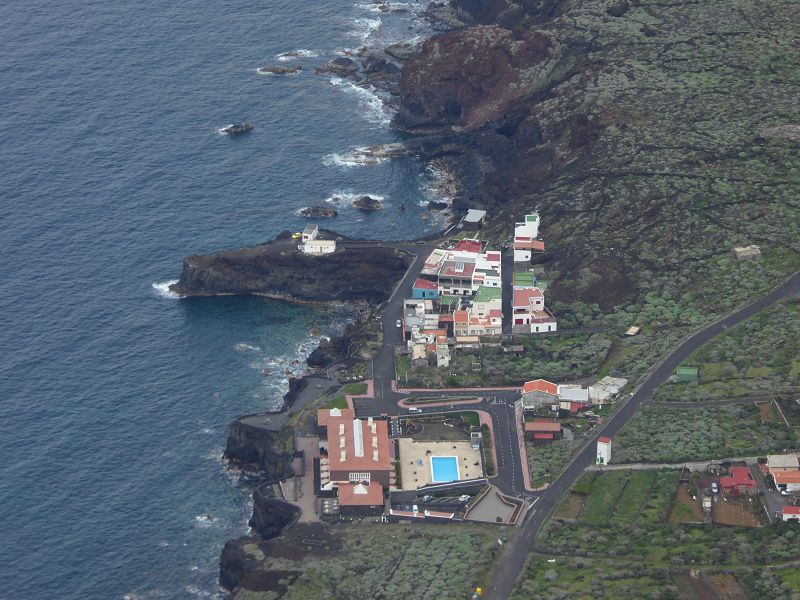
[{"x": 444, "y": 468}]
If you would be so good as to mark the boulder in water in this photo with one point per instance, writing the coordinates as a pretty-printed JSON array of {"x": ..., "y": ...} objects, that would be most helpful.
[
  {"x": 278, "y": 70},
  {"x": 237, "y": 129},
  {"x": 367, "y": 203},
  {"x": 318, "y": 212}
]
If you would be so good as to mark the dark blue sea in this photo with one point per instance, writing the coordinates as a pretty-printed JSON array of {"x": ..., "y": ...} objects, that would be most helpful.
[{"x": 114, "y": 397}]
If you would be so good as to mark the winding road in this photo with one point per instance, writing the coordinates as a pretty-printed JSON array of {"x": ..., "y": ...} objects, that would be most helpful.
[{"x": 499, "y": 403}]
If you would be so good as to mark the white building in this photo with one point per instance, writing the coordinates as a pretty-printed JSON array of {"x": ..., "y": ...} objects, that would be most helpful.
[
  {"x": 319, "y": 246},
  {"x": 603, "y": 451},
  {"x": 310, "y": 233},
  {"x": 528, "y": 228},
  {"x": 791, "y": 512}
]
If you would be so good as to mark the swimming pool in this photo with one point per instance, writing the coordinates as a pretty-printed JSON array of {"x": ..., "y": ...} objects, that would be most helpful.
[{"x": 444, "y": 468}]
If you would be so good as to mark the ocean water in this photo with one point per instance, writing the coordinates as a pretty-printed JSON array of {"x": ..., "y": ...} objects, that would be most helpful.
[{"x": 114, "y": 397}]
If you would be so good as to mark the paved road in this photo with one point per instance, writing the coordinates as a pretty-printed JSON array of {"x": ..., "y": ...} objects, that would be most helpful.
[
  {"x": 513, "y": 560},
  {"x": 499, "y": 404}
]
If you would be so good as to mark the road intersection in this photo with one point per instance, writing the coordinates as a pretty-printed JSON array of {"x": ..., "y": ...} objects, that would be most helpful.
[{"x": 499, "y": 404}]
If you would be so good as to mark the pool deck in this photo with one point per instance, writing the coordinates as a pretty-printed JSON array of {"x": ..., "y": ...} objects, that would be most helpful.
[{"x": 412, "y": 475}]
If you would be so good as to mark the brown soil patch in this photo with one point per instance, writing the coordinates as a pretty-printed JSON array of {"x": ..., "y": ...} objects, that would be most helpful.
[
  {"x": 727, "y": 587},
  {"x": 686, "y": 510},
  {"x": 572, "y": 507},
  {"x": 734, "y": 511},
  {"x": 691, "y": 588},
  {"x": 765, "y": 408}
]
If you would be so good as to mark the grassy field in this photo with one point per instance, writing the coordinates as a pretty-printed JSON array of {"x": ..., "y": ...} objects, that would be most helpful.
[
  {"x": 672, "y": 435},
  {"x": 354, "y": 389},
  {"x": 546, "y": 462}
]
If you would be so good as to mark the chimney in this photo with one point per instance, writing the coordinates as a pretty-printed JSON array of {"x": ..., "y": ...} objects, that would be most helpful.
[{"x": 369, "y": 420}]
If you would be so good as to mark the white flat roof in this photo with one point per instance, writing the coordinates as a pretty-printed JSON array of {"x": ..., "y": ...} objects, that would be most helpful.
[{"x": 474, "y": 214}]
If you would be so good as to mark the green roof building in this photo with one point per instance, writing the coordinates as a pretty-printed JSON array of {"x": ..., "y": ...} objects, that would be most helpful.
[{"x": 686, "y": 374}]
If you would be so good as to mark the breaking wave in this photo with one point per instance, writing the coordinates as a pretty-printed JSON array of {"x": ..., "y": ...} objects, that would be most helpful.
[
  {"x": 358, "y": 157},
  {"x": 376, "y": 110},
  {"x": 295, "y": 54},
  {"x": 162, "y": 289},
  {"x": 347, "y": 198},
  {"x": 365, "y": 27}
]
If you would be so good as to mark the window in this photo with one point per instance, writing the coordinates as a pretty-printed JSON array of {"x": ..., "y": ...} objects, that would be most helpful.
[{"x": 358, "y": 477}]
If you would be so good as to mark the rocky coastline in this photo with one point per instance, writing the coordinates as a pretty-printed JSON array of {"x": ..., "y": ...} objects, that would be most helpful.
[{"x": 472, "y": 117}]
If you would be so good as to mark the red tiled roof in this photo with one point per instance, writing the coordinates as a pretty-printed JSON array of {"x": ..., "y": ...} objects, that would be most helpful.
[
  {"x": 576, "y": 406},
  {"x": 604, "y": 440},
  {"x": 445, "y": 318},
  {"x": 522, "y": 296},
  {"x": 785, "y": 477},
  {"x": 468, "y": 246},
  {"x": 540, "y": 385},
  {"x": 791, "y": 510},
  {"x": 424, "y": 284},
  {"x": 540, "y": 427},
  {"x": 738, "y": 476},
  {"x": 493, "y": 256},
  {"x": 540, "y": 435},
  {"x": 457, "y": 268},
  {"x": 461, "y": 316},
  {"x": 358, "y": 494},
  {"x": 323, "y": 414},
  {"x": 495, "y": 313},
  {"x": 352, "y": 462}
]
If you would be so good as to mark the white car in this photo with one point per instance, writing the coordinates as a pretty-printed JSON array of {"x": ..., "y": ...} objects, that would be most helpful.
[
  {"x": 414, "y": 409},
  {"x": 398, "y": 323},
  {"x": 714, "y": 487}
]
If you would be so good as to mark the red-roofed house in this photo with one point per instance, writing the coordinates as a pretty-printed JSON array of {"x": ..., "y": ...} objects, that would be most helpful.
[
  {"x": 740, "y": 481},
  {"x": 424, "y": 289},
  {"x": 361, "y": 499},
  {"x": 788, "y": 480},
  {"x": 603, "y": 450},
  {"x": 538, "y": 393},
  {"x": 355, "y": 451},
  {"x": 529, "y": 310},
  {"x": 791, "y": 512}
]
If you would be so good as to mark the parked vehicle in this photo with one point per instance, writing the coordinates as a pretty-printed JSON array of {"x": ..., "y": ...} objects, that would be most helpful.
[
  {"x": 398, "y": 323},
  {"x": 714, "y": 487},
  {"x": 414, "y": 409}
]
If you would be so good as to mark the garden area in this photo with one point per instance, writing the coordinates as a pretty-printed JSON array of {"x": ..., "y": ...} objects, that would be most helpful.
[
  {"x": 759, "y": 358},
  {"x": 546, "y": 462},
  {"x": 614, "y": 536},
  {"x": 671, "y": 435},
  {"x": 352, "y": 389},
  {"x": 555, "y": 357}
]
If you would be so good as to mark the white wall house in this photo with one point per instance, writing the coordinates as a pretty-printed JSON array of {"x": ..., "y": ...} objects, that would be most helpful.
[
  {"x": 319, "y": 247},
  {"x": 603, "y": 451},
  {"x": 310, "y": 233}
]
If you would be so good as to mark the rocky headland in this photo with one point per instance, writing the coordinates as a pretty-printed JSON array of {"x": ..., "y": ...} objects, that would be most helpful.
[{"x": 278, "y": 269}]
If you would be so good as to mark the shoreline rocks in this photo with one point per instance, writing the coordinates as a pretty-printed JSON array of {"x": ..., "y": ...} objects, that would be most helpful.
[
  {"x": 237, "y": 129},
  {"x": 279, "y": 70},
  {"x": 367, "y": 203},
  {"x": 318, "y": 212}
]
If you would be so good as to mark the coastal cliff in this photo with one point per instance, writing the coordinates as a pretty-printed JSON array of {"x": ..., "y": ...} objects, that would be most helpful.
[
  {"x": 278, "y": 269},
  {"x": 252, "y": 443}
]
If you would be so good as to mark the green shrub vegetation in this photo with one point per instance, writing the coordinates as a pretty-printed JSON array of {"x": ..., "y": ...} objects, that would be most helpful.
[
  {"x": 392, "y": 561},
  {"x": 670, "y": 435},
  {"x": 757, "y": 358},
  {"x": 622, "y": 544},
  {"x": 546, "y": 462}
]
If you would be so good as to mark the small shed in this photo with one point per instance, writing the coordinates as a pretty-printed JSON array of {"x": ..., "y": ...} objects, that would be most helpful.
[
  {"x": 633, "y": 330},
  {"x": 746, "y": 252},
  {"x": 474, "y": 219},
  {"x": 686, "y": 374}
]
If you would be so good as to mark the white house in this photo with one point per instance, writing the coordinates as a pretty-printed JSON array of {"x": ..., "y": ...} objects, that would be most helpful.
[
  {"x": 603, "y": 451},
  {"x": 529, "y": 227},
  {"x": 310, "y": 233},
  {"x": 791, "y": 512},
  {"x": 319, "y": 246}
]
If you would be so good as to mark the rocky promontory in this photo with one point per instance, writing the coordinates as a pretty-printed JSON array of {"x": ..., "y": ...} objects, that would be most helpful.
[{"x": 356, "y": 271}]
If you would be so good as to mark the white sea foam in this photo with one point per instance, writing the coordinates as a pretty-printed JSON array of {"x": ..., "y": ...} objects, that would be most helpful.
[
  {"x": 365, "y": 27},
  {"x": 295, "y": 54},
  {"x": 377, "y": 8},
  {"x": 205, "y": 520},
  {"x": 358, "y": 157},
  {"x": 162, "y": 289},
  {"x": 376, "y": 111},
  {"x": 266, "y": 73},
  {"x": 222, "y": 131},
  {"x": 243, "y": 347},
  {"x": 346, "y": 198}
]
